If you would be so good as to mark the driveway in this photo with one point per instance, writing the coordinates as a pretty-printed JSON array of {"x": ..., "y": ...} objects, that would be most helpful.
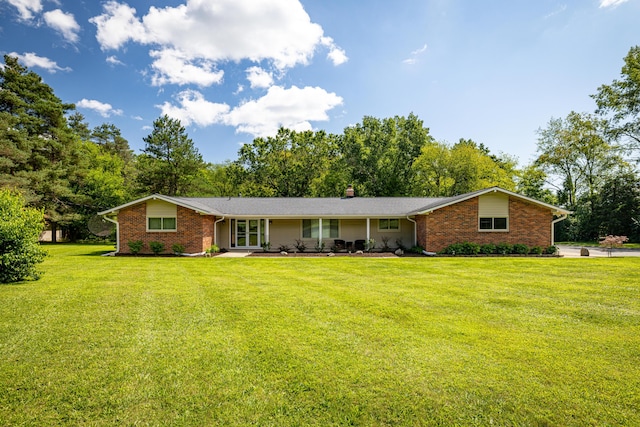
[{"x": 595, "y": 251}]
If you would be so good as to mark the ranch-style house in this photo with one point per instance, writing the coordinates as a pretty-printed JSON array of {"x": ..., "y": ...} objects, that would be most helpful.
[{"x": 492, "y": 215}]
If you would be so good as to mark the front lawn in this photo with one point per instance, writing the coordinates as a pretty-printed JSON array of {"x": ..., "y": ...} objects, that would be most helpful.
[{"x": 321, "y": 341}]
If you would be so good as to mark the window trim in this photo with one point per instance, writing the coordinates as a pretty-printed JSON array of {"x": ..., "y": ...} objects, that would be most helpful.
[
  {"x": 493, "y": 220},
  {"x": 390, "y": 230},
  {"x": 162, "y": 229},
  {"x": 317, "y": 222}
]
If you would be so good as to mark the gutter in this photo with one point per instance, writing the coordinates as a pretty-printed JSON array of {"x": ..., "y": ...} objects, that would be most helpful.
[{"x": 117, "y": 232}]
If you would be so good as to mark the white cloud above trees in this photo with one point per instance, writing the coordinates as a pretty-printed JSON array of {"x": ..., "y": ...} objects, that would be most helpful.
[
  {"x": 27, "y": 8},
  {"x": 64, "y": 23},
  {"x": 104, "y": 109},
  {"x": 611, "y": 3},
  {"x": 30, "y": 59}
]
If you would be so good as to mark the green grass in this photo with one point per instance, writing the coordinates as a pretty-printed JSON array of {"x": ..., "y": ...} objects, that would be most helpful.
[{"x": 321, "y": 341}]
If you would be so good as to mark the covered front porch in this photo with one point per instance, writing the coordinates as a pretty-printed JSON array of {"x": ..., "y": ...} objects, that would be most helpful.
[{"x": 338, "y": 234}]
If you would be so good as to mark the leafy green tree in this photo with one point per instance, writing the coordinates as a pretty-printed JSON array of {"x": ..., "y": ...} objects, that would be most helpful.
[
  {"x": 576, "y": 151},
  {"x": 20, "y": 228},
  {"x": 42, "y": 152},
  {"x": 289, "y": 164},
  {"x": 620, "y": 101},
  {"x": 170, "y": 162},
  {"x": 215, "y": 180},
  {"x": 377, "y": 155},
  {"x": 531, "y": 183},
  {"x": 441, "y": 170},
  {"x": 617, "y": 206}
]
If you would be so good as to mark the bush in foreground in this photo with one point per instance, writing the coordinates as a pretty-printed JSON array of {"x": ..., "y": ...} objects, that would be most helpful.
[{"x": 20, "y": 228}]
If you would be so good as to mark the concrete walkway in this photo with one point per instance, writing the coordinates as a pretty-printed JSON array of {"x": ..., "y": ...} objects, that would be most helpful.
[
  {"x": 596, "y": 252},
  {"x": 232, "y": 254}
]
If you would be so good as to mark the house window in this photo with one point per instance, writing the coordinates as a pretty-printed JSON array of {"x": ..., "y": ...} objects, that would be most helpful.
[
  {"x": 330, "y": 228},
  {"x": 496, "y": 224},
  {"x": 388, "y": 224},
  {"x": 161, "y": 224}
]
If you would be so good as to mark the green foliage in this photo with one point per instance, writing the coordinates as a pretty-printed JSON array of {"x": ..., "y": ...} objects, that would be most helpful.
[
  {"x": 536, "y": 250},
  {"x": 319, "y": 246},
  {"x": 265, "y": 246},
  {"x": 170, "y": 162},
  {"x": 465, "y": 248},
  {"x": 441, "y": 170},
  {"x": 177, "y": 248},
  {"x": 504, "y": 248},
  {"x": 214, "y": 249},
  {"x": 20, "y": 227},
  {"x": 620, "y": 102},
  {"x": 370, "y": 245},
  {"x": 135, "y": 246},
  {"x": 520, "y": 249},
  {"x": 284, "y": 248},
  {"x": 156, "y": 247},
  {"x": 551, "y": 250},
  {"x": 488, "y": 249}
]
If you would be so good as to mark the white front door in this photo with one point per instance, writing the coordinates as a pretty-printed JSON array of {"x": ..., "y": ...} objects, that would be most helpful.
[{"x": 247, "y": 233}]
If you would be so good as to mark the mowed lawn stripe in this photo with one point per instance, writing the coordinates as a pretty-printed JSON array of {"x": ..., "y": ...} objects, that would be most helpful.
[{"x": 315, "y": 341}]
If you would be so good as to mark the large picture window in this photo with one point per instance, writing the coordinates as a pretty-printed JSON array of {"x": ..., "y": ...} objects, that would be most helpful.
[
  {"x": 493, "y": 224},
  {"x": 161, "y": 224},
  {"x": 388, "y": 224},
  {"x": 330, "y": 229}
]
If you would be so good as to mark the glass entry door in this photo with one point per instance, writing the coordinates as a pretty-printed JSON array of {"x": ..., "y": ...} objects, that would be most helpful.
[{"x": 247, "y": 233}]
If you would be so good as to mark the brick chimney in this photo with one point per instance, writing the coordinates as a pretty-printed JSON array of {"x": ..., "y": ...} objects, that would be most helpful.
[{"x": 350, "y": 192}]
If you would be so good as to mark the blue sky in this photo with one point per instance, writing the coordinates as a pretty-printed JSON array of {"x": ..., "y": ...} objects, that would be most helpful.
[{"x": 231, "y": 70}]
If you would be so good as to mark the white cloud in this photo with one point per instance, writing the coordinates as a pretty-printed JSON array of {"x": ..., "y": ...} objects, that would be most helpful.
[
  {"x": 113, "y": 60},
  {"x": 118, "y": 25},
  {"x": 610, "y": 3},
  {"x": 224, "y": 30},
  {"x": 414, "y": 55},
  {"x": 171, "y": 66},
  {"x": 64, "y": 23},
  {"x": 292, "y": 108},
  {"x": 259, "y": 78},
  {"x": 27, "y": 8},
  {"x": 30, "y": 59},
  {"x": 336, "y": 54},
  {"x": 195, "y": 109},
  {"x": 105, "y": 110}
]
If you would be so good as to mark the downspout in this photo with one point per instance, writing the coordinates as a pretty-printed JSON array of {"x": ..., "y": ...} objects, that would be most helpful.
[
  {"x": 553, "y": 228},
  {"x": 415, "y": 230},
  {"x": 215, "y": 230},
  {"x": 117, "y": 232}
]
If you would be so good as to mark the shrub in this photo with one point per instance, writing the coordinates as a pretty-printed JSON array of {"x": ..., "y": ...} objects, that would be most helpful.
[
  {"x": 465, "y": 248},
  {"x": 385, "y": 244},
  {"x": 551, "y": 250},
  {"x": 266, "y": 246},
  {"x": 20, "y": 228},
  {"x": 135, "y": 246},
  {"x": 503, "y": 248},
  {"x": 416, "y": 249},
  {"x": 370, "y": 245},
  {"x": 536, "y": 250},
  {"x": 177, "y": 248},
  {"x": 156, "y": 247},
  {"x": 284, "y": 248},
  {"x": 214, "y": 249},
  {"x": 300, "y": 246},
  {"x": 319, "y": 246},
  {"x": 401, "y": 245},
  {"x": 488, "y": 249},
  {"x": 520, "y": 249}
]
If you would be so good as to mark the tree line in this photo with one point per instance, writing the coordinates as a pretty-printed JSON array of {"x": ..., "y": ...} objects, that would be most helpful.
[{"x": 70, "y": 171}]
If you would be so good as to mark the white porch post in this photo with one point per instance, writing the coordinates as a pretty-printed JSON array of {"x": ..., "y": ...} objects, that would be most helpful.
[
  {"x": 319, "y": 231},
  {"x": 368, "y": 229},
  {"x": 266, "y": 231}
]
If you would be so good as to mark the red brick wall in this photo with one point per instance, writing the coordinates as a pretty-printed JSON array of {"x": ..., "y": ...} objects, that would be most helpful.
[
  {"x": 194, "y": 231},
  {"x": 529, "y": 224}
]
